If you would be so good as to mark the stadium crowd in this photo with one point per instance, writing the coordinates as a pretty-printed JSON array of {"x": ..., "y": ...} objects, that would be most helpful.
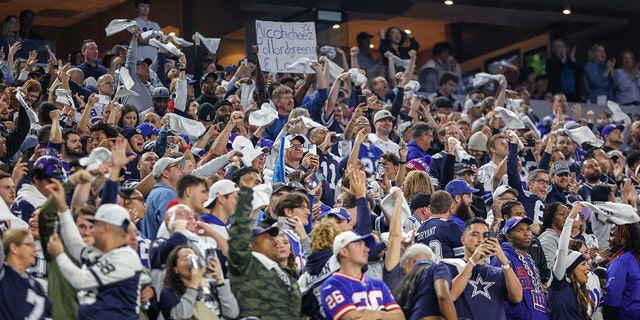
[{"x": 132, "y": 191}]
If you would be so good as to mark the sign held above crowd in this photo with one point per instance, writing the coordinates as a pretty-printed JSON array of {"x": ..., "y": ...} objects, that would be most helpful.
[{"x": 283, "y": 43}]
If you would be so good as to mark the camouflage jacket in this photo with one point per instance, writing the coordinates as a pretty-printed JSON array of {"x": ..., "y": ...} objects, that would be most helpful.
[{"x": 259, "y": 291}]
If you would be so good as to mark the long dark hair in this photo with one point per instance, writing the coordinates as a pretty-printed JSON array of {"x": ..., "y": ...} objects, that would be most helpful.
[
  {"x": 548, "y": 215},
  {"x": 171, "y": 277},
  {"x": 407, "y": 287},
  {"x": 582, "y": 297}
]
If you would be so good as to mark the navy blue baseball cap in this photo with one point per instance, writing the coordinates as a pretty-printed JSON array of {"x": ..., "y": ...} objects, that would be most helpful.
[
  {"x": 340, "y": 213},
  {"x": 608, "y": 128},
  {"x": 459, "y": 186},
  {"x": 513, "y": 221},
  {"x": 256, "y": 231},
  {"x": 147, "y": 60},
  {"x": 129, "y": 132}
]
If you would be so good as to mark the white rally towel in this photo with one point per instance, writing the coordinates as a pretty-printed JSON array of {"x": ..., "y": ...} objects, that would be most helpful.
[
  {"x": 302, "y": 65},
  {"x": 261, "y": 196},
  {"x": 211, "y": 44},
  {"x": 168, "y": 47},
  {"x": 617, "y": 113},
  {"x": 264, "y": 116},
  {"x": 356, "y": 77},
  {"x": 483, "y": 78},
  {"x": 33, "y": 117},
  {"x": 389, "y": 203},
  {"x": 180, "y": 41},
  {"x": 583, "y": 134},
  {"x": 117, "y": 25},
  {"x": 511, "y": 120},
  {"x": 618, "y": 213},
  {"x": 183, "y": 125},
  {"x": 152, "y": 34},
  {"x": 6, "y": 215},
  {"x": 398, "y": 62}
]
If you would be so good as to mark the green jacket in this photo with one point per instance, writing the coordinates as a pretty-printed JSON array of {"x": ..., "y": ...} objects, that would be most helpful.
[
  {"x": 259, "y": 291},
  {"x": 63, "y": 296}
]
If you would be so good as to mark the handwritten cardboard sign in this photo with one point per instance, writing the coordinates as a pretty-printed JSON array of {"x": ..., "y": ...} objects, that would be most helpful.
[{"x": 282, "y": 43}]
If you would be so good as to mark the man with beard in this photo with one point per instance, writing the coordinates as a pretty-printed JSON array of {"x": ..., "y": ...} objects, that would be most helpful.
[
  {"x": 383, "y": 122},
  {"x": 461, "y": 207},
  {"x": 564, "y": 189},
  {"x": 208, "y": 85},
  {"x": 612, "y": 136},
  {"x": 566, "y": 146},
  {"x": 534, "y": 301},
  {"x": 72, "y": 147},
  {"x": 223, "y": 111},
  {"x": 592, "y": 176},
  {"x": 160, "y": 98}
]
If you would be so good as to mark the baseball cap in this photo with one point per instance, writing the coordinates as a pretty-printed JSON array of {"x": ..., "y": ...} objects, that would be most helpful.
[
  {"x": 189, "y": 80},
  {"x": 342, "y": 240},
  {"x": 504, "y": 189},
  {"x": 363, "y": 35},
  {"x": 230, "y": 68},
  {"x": 28, "y": 143},
  {"x": 206, "y": 112},
  {"x": 95, "y": 158},
  {"x": 383, "y": 114},
  {"x": 420, "y": 200},
  {"x": 340, "y": 213},
  {"x": 478, "y": 141},
  {"x": 460, "y": 168},
  {"x": 444, "y": 103},
  {"x": 117, "y": 47},
  {"x": 36, "y": 70},
  {"x": 147, "y": 129},
  {"x": 513, "y": 221},
  {"x": 207, "y": 75},
  {"x": 147, "y": 60},
  {"x": 51, "y": 166},
  {"x": 298, "y": 137},
  {"x": 472, "y": 103},
  {"x": 459, "y": 186},
  {"x": 160, "y": 93},
  {"x": 559, "y": 167},
  {"x": 129, "y": 132},
  {"x": 220, "y": 188},
  {"x": 256, "y": 231},
  {"x": 608, "y": 128},
  {"x": 291, "y": 186},
  {"x": 112, "y": 214},
  {"x": 164, "y": 162}
]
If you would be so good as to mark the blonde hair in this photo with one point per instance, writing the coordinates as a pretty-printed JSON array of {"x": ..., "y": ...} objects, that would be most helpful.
[
  {"x": 296, "y": 113},
  {"x": 323, "y": 233},
  {"x": 14, "y": 236},
  {"x": 417, "y": 181}
]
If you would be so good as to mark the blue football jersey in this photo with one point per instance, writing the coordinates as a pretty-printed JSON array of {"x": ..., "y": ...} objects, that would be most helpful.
[
  {"x": 442, "y": 236},
  {"x": 22, "y": 297},
  {"x": 341, "y": 293}
]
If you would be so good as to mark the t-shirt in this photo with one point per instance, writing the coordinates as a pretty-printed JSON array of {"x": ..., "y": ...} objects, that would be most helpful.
[
  {"x": 623, "y": 286},
  {"x": 487, "y": 287},
  {"x": 442, "y": 236},
  {"x": 342, "y": 293},
  {"x": 424, "y": 299}
]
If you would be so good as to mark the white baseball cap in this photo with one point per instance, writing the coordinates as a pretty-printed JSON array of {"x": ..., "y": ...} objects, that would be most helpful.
[
  {"x": 112, "y": 214},
  {"x": 220, "y": 188},
  {"x": 95, "y": 158},
  {"x": 164, "y": 162},
  {"x": 342, "y": 240}
]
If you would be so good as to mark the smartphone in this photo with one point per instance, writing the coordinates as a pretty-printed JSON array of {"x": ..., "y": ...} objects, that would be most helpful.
[
  {"x": 531, "y": 143},
  {"x": 337, "y": 138},
  {"x": 313, "y": 180},
  {"x": 379, "y": 171},
  {"x": 282, "y": 224},
  {"x": 362, "y": 99},
  {"x": 243, "y": 62},
  {"x": 313, "y": 149},
  {"x": 174, "y": 147},
  {"x": 490, "y": 234},
  {"x": 102, "y": 98}
]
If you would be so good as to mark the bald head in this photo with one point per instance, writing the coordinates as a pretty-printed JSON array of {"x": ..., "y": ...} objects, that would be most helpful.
[{"x": 76, "y": 75}]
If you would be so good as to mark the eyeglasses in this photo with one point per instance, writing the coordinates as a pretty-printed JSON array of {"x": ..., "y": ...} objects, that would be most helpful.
[
  {"x": 30, "y": 244},
  {"x": 172, "y": 166},
  {"x": 186, "y": 213},
  {"x": 296, "y": 146},
  {"x": 542, "y": 181}
]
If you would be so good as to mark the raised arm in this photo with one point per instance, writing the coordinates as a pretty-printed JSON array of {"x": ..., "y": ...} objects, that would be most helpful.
[
  {"x": 559, "y": 267},
  {"x": 395, "y": 233}
]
